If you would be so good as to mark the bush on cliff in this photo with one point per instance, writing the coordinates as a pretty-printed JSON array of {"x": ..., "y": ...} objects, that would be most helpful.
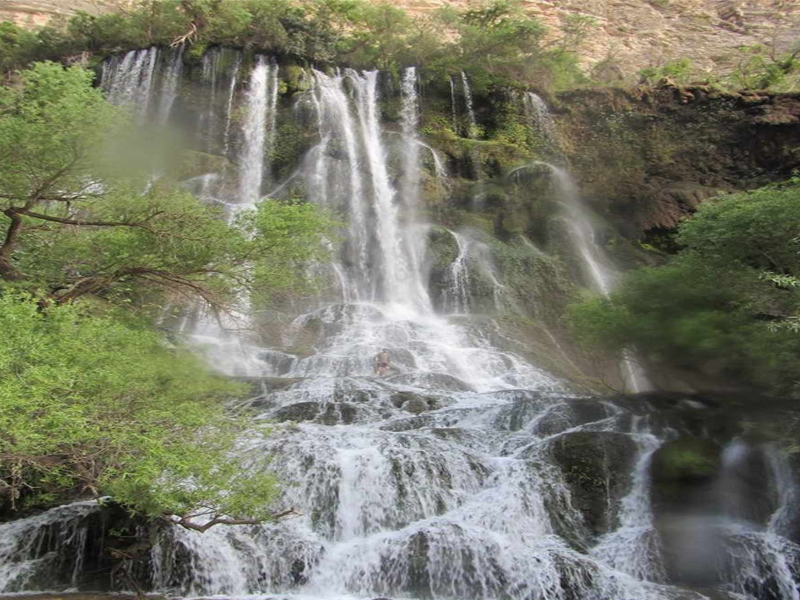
[
  {"x": 91, "y": 405},
  {"x": 728, "y": 302},
  {"x": 494, "y": 41}
]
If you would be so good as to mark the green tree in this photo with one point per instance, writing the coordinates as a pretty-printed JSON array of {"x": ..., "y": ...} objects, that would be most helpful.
[
  {"x": 91, "y": 406},
  {"x": 73, "y": 224},
  {"x": 729, "y": 301},
  {"x": 762, "y": 68},
  {"x": 680, "y": 72}
]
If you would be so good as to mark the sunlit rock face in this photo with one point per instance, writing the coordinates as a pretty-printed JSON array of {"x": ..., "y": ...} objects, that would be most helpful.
[
  {"x": 635, "y": 33},
  {"x": 35, "y": 13}
]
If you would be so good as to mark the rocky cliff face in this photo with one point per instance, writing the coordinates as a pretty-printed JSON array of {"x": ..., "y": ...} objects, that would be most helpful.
[
  {"x": 647, "y": 157},
  {"x": 629, "y": 34},
  {"x": 640, "y": 33}
]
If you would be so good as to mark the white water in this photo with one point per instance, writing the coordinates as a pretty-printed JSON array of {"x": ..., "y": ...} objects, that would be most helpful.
[
  {"x": 169, "y": 86},
  {"x": 128, "y": 81},
  {"x": 472, "y": 131},
  {"x": 597, "y": 269},
  {"x": 258, "y": 128},
  {"x": 43, "y": 546},
  {"x": 229, "y": 105},
  {"x": 633, "y": 547},
  {"x": 539, "y": 117},
  {"x": 457, "y": 292}
]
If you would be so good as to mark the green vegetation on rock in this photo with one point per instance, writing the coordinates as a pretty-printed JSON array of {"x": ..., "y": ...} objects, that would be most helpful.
[{"x": 493, "y": 40}]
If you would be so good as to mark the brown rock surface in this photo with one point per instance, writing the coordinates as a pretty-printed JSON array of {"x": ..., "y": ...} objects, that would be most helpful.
[{"x": 635, "y": 33}]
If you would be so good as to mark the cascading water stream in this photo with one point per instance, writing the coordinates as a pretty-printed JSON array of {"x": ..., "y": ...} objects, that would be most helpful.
[
  {"x": 457, "y": 292},
  {"x": 258, "y": 128},
  {"x": 472, "y": 129},
  {"x": 539, "y": 117},
  {"x": 129, "y": 81},
  {"x": 598, "y": 271},
  {"x": 169, "y": 86},
  {"x": 229, "y": 105}
]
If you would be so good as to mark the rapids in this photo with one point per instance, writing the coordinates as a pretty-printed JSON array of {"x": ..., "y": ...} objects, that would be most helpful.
[{"x": 451, "y": 477}]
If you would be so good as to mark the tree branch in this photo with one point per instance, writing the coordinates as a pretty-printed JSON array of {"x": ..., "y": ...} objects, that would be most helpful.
[
  {"x": 187, "y": 523},
  {"x": 64, "y": 221},
  {"x": 8, "y": 271}
]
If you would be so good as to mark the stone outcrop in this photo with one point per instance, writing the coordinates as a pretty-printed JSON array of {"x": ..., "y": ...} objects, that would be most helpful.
[{"x": 648, "y": 156}]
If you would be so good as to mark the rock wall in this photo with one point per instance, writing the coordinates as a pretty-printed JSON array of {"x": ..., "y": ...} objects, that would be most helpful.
[{"x": 648, "y": 156}]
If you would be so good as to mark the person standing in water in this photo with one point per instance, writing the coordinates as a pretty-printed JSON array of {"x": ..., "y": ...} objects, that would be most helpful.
[{"x": 382, "y": 363}]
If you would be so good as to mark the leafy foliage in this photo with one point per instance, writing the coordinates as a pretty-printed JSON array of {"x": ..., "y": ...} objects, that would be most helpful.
[
  {"x": 494, "y": 41},
  {"x": 75, "y": 226},
  {"x": 92, "y": 400},
  {"x": 729, "y": 302},
  {"x": 761, "y": 68},
  {"x": 680, "y": 72},
  {"x": 91, "y": 404}
]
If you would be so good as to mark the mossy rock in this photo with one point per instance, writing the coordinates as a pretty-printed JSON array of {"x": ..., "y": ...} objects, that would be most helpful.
[
  {"x": 193, "y": 164},
  {"x": 298, "y": 412},
  {"x": 686, "y": 459},
  {"x": 597, "y": 468},
  {"x": 442, "y": 247}
]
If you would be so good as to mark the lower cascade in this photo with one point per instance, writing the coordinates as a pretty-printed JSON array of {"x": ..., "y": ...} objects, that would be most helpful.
[{"x": 467, "y": 472}]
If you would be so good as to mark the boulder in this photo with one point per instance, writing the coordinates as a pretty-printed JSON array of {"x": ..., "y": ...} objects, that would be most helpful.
[
  {"x": 415, "y": 403},
  {"x": 682, "y": 471},
  {"x": 597, "y": 467},
  {"x": 340, "y": 413},
  {"x": 415, "y": 406},
  {"x": 298, "y": 412}
]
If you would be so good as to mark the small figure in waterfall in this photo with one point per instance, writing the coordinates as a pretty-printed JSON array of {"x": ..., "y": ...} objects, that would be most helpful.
[{"x": 382, "y": 363}]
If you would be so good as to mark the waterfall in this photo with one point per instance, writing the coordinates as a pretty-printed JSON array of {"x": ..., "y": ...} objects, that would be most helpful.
[
  {"x": 50, "y": 546},
  {"x": 472, "y": 130},
  {"x": 582, "y": 234},
  {"x": 258, "y": 128},
  {"x": 169, "y": 86},
  {"x": 633, "y": 548},
  {"x": 410, "y": 188},
  {"x": 453, "y": 105},
  {"x": 457, "y": 292},
  {"x": 402, "y": 282},
  {"x": 595, "y": 263},
  {"x": 539, "y": 117},
  {"x": 335, "y": 120},
  {"x": 229, "y": 105},
  {"x": 129, "y": 81},
  {"x": 447, "y": 477}
]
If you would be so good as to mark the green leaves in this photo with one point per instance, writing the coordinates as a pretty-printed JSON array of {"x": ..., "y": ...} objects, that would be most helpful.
[
  {"x": 89, "y": 403},
  {"x": 74, "y": 225},
  {"x": 729, "y": 302}
]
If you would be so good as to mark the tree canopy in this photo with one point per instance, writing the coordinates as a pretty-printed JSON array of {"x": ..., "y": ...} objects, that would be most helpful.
[
  {"x": 494, "y": 41},
  {"x": 73, "y": 225},
  {"x": 728, "y": 302},
  {"x": 94, "y": 399}
]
